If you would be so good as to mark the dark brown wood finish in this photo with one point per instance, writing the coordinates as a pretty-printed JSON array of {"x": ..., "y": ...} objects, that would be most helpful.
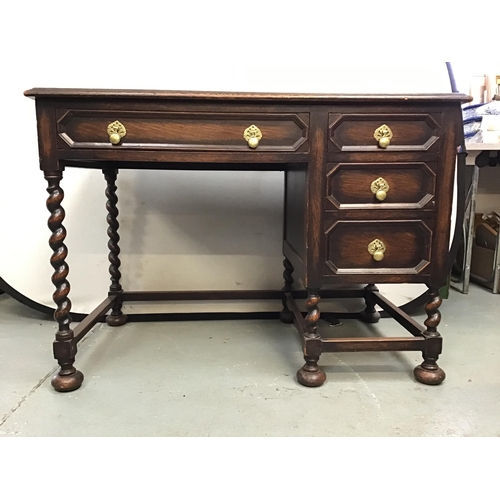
[
  {"x": 429, "y": 372},
  {"x": 314, "y": 186},
  {"x": 113, "y": 96},
  {"x": 311, "y": 375},
  {"x": 294, "y": 233},
  {"x": 410, "y": 186},
  {"x": 373, "y": 345},
  {"x": 452, "y": 124},
  {"x": 68, "y": 378},
  {"x": 180, "y": 131},
  {"x": 116, "y": 318},
  {"x": 325, "y": 144},
  {"x": 91, "y": 319},
  {"x": 408, "y": 245},
  {"x": 355, "y": 132},
  {"x": 285, "y": 315},
  {"x": 400, "y": 316},
  {"x": 370, "y": 314},
  {"x": 46, "y": 126}
]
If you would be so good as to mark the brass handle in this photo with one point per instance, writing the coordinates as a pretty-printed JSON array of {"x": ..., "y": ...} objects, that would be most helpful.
[
  {"x": 116, "y": 132},
  {"x": 379, "y": 188},
  {"x": 377, "y": 249},
  {"x": 383, "y": 135},
  {"x": 252, "y": 135}
]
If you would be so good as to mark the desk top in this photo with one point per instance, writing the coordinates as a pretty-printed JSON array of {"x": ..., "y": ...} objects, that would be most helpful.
[{"x": 240, "y": 96}]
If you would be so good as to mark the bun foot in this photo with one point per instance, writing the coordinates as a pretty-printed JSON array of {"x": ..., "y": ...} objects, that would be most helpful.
[
  {"x": 311, "y": 376},
  {"x": 66, "y": 382},
  {"x": 370, "y": 317},
  {"x": 286, "y": 317},
  {"x": 116, "y": 320},
  {"x": 429, "y": 374}
]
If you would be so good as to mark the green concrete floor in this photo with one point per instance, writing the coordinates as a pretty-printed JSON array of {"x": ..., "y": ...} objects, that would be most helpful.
[{"x": 237, "y": 378}]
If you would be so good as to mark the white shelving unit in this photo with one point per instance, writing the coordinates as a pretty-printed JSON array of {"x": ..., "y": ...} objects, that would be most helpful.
[{"x": 474, "y": 149}]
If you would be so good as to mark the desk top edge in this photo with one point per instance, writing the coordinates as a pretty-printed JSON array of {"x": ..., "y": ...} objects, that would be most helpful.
[{"x": 238, "y": 96}]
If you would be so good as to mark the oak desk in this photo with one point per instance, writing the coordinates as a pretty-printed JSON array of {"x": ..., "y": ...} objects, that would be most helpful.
[{"x": 368, "y": 196}]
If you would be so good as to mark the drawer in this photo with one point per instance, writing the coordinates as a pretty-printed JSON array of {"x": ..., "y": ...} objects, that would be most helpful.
[
  {"x": 384, "y": 186},
  {"x": 383, "y": 132},
  {"x": 371, "y": 247},
  {"x": 182, "y": 130}
]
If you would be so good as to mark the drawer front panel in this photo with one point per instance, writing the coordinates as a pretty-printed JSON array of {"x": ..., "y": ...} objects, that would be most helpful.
[
  {"x": 380, "y": 186},
  {"x": 183, "y": 131},
  {"x": 356, "y": 132},
  {"x": 404, "y": 247}
]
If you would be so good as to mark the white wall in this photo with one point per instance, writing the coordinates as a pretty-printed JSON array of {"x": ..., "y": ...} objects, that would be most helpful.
[{"x": 229, "y": 238}]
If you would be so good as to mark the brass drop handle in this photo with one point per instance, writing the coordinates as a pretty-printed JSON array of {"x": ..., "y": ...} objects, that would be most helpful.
[
  {"x": 377, "y": 249},
  {"x": 379, "y": 188},
  {"x": 252, "y": 135},
  {"x": 383, "y": 135},
  {"x": 116, "y": 132}
]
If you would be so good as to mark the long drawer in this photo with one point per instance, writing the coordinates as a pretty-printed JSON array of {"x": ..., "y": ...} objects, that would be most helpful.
[{"x": 78, "y": 128}]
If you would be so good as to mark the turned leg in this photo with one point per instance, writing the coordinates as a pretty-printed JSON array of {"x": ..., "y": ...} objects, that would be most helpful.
[
  {"x": 285, "y": 315},
  {"x": 311, "y": 375},
  {"x": 68, "y": 378},
  {"x": 429, "y": 372},
  {"x": 116, "y": 318},
  {"x": 370, "y": 314}
]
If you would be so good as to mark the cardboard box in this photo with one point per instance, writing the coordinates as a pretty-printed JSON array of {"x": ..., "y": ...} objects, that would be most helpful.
[{"x": 483, "y": 263}]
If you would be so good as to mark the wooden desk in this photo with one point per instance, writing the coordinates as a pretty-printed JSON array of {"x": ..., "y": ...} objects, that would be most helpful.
[{"x": 368, "y": 196}]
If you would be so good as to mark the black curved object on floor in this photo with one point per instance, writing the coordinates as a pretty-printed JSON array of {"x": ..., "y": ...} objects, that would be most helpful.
[
  {"x": 462, "y": 187},
  {"x": 12, "y": 292}
]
